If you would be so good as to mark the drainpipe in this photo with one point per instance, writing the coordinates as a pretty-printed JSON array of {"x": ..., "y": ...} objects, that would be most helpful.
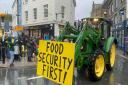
[{"x": 18, "y": 16}]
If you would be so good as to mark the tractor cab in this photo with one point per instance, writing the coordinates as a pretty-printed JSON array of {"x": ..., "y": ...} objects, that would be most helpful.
[{"x": 100, "y": 25}]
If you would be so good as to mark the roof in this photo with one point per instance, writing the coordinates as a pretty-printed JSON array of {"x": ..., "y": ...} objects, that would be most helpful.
[
  {"x": 106, "y": 3},
  {"x": 14, "y": 2},
  {"x": 97, "y": 6},
  {"x": 101, "y": 18}
]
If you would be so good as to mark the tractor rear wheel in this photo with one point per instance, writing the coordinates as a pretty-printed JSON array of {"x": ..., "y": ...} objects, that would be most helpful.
[
  {"x": 96, "y": 67},
  {"x": 112, "y": 56}
]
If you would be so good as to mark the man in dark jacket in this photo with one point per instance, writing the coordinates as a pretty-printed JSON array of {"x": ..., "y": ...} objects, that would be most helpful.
[
  {"x": 30, "y": 50},
  {"x": 3, "y": 46}
]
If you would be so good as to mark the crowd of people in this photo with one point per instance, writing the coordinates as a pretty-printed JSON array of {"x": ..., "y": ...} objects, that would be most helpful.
[{"x": 14, "y": 48}]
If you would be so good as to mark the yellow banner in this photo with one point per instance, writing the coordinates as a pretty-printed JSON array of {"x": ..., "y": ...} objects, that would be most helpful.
[{"x": 56, "y": 61}]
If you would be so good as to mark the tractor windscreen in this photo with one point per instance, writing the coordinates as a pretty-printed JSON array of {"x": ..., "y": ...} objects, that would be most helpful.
[{"x": 94, "y": 22}]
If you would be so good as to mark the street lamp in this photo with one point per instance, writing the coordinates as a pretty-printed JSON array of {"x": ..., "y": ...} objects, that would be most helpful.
[{"x": 105, "y": 14}]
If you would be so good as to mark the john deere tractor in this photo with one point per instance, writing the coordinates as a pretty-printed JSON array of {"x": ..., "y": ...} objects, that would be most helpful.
[{"x": 95, "y": 47}]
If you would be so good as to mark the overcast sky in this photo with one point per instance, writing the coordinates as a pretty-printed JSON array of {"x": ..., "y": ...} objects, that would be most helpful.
[
  {"x": 83, "y": 8},
  {"x": 5, "y": 5}
]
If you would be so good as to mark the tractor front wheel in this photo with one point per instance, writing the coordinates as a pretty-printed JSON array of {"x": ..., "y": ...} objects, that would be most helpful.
[
  {"x": 112, "y": 56},
  {"x": 96, "y": 67}
]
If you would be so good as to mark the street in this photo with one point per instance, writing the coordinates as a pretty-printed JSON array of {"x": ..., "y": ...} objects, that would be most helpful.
[
  {"x": 27, "y": 75},
  {"x": 63, "y": 42}
]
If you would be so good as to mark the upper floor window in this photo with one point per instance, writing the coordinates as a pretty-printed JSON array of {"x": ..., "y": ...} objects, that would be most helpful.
[
  {"x": 62, "y": 11},
  {"x": 26, "y": 15},
  {"x": 46, "y": 10},
  {"x": 26, "y": 1},
  {"x": 35, "y": 13},
  {"x": 122, "y": 1}
]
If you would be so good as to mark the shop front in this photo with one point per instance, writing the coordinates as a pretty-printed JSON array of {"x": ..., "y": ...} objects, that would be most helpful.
[
  {"x": 44, "y": 31},
  {"x": 121, "y": 34}
]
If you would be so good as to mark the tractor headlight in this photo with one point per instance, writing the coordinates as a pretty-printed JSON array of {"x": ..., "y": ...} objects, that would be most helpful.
[
  {"x": 84, "y": 20},
  {"x": 95, "y": 20}
]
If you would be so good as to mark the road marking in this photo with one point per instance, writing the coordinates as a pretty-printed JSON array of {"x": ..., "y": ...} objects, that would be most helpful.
[
  {"x": 122, "y": 56},
  {"x": 21, "y": 78},
  {"x": 34, "y": 78}
]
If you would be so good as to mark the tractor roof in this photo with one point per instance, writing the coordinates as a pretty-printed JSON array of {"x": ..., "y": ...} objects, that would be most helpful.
[{"x": 99, "y": 18}]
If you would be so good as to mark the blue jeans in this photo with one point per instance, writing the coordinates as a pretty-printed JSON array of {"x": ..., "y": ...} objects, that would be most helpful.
[{"x": 11, "y": 57}]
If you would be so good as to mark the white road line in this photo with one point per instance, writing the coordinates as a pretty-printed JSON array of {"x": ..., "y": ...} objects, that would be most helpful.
[
  {"x": 21, "y": 77},
  {"x": 34, "y": 78},
  {"x": 122, "y": 56}
]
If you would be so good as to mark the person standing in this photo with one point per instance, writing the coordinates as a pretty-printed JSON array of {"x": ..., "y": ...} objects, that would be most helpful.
[
  {"x": 16, "y": 50},
  {"x": 3, "y": 48},
  {"x": 30, "y": 50},
  {"x": 11, "y": 50}
]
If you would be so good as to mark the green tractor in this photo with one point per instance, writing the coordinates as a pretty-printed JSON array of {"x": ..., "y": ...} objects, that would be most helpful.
[{"x": 95, "y": 47}]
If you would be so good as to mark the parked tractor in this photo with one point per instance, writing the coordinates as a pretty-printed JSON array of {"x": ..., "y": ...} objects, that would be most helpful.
[{"x": 95, "y": 46}]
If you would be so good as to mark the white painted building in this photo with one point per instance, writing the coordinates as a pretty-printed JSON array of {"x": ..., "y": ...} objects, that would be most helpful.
[
  {"x": 42, "y": 17},
  {"x": 16, "y": 13}
]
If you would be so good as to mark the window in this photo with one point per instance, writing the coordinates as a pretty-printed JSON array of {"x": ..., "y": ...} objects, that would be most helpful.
[
  {"x": 62, "y": 11},
  {"x": 46, "y": 10},
  {"x": 35, "y": 13},
  {"x": 122, "y": 1},
  {"x": 26, "y": 15},
  {"x": 26, "y": 1}
]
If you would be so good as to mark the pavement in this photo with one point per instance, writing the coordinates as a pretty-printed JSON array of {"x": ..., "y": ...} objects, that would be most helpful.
[
  {"x": 116, "y": 77},
  {"x": 22, "y": 63},
  {"x": 26, "y": 75}
]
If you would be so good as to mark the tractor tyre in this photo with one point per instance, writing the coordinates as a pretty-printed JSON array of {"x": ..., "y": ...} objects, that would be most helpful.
[
  {"x": 111, "y": 59},
  {"x": 96, "y": 67}
]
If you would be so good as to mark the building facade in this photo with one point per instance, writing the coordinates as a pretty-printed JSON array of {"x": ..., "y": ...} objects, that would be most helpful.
[
  {"x": 16, "y": 13},
  {"x": 117, "y": 11},
  {"x": 97, "y": 10},
  {"x": 47, "y": 17},
  {"x": 8, "y": 22}
]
